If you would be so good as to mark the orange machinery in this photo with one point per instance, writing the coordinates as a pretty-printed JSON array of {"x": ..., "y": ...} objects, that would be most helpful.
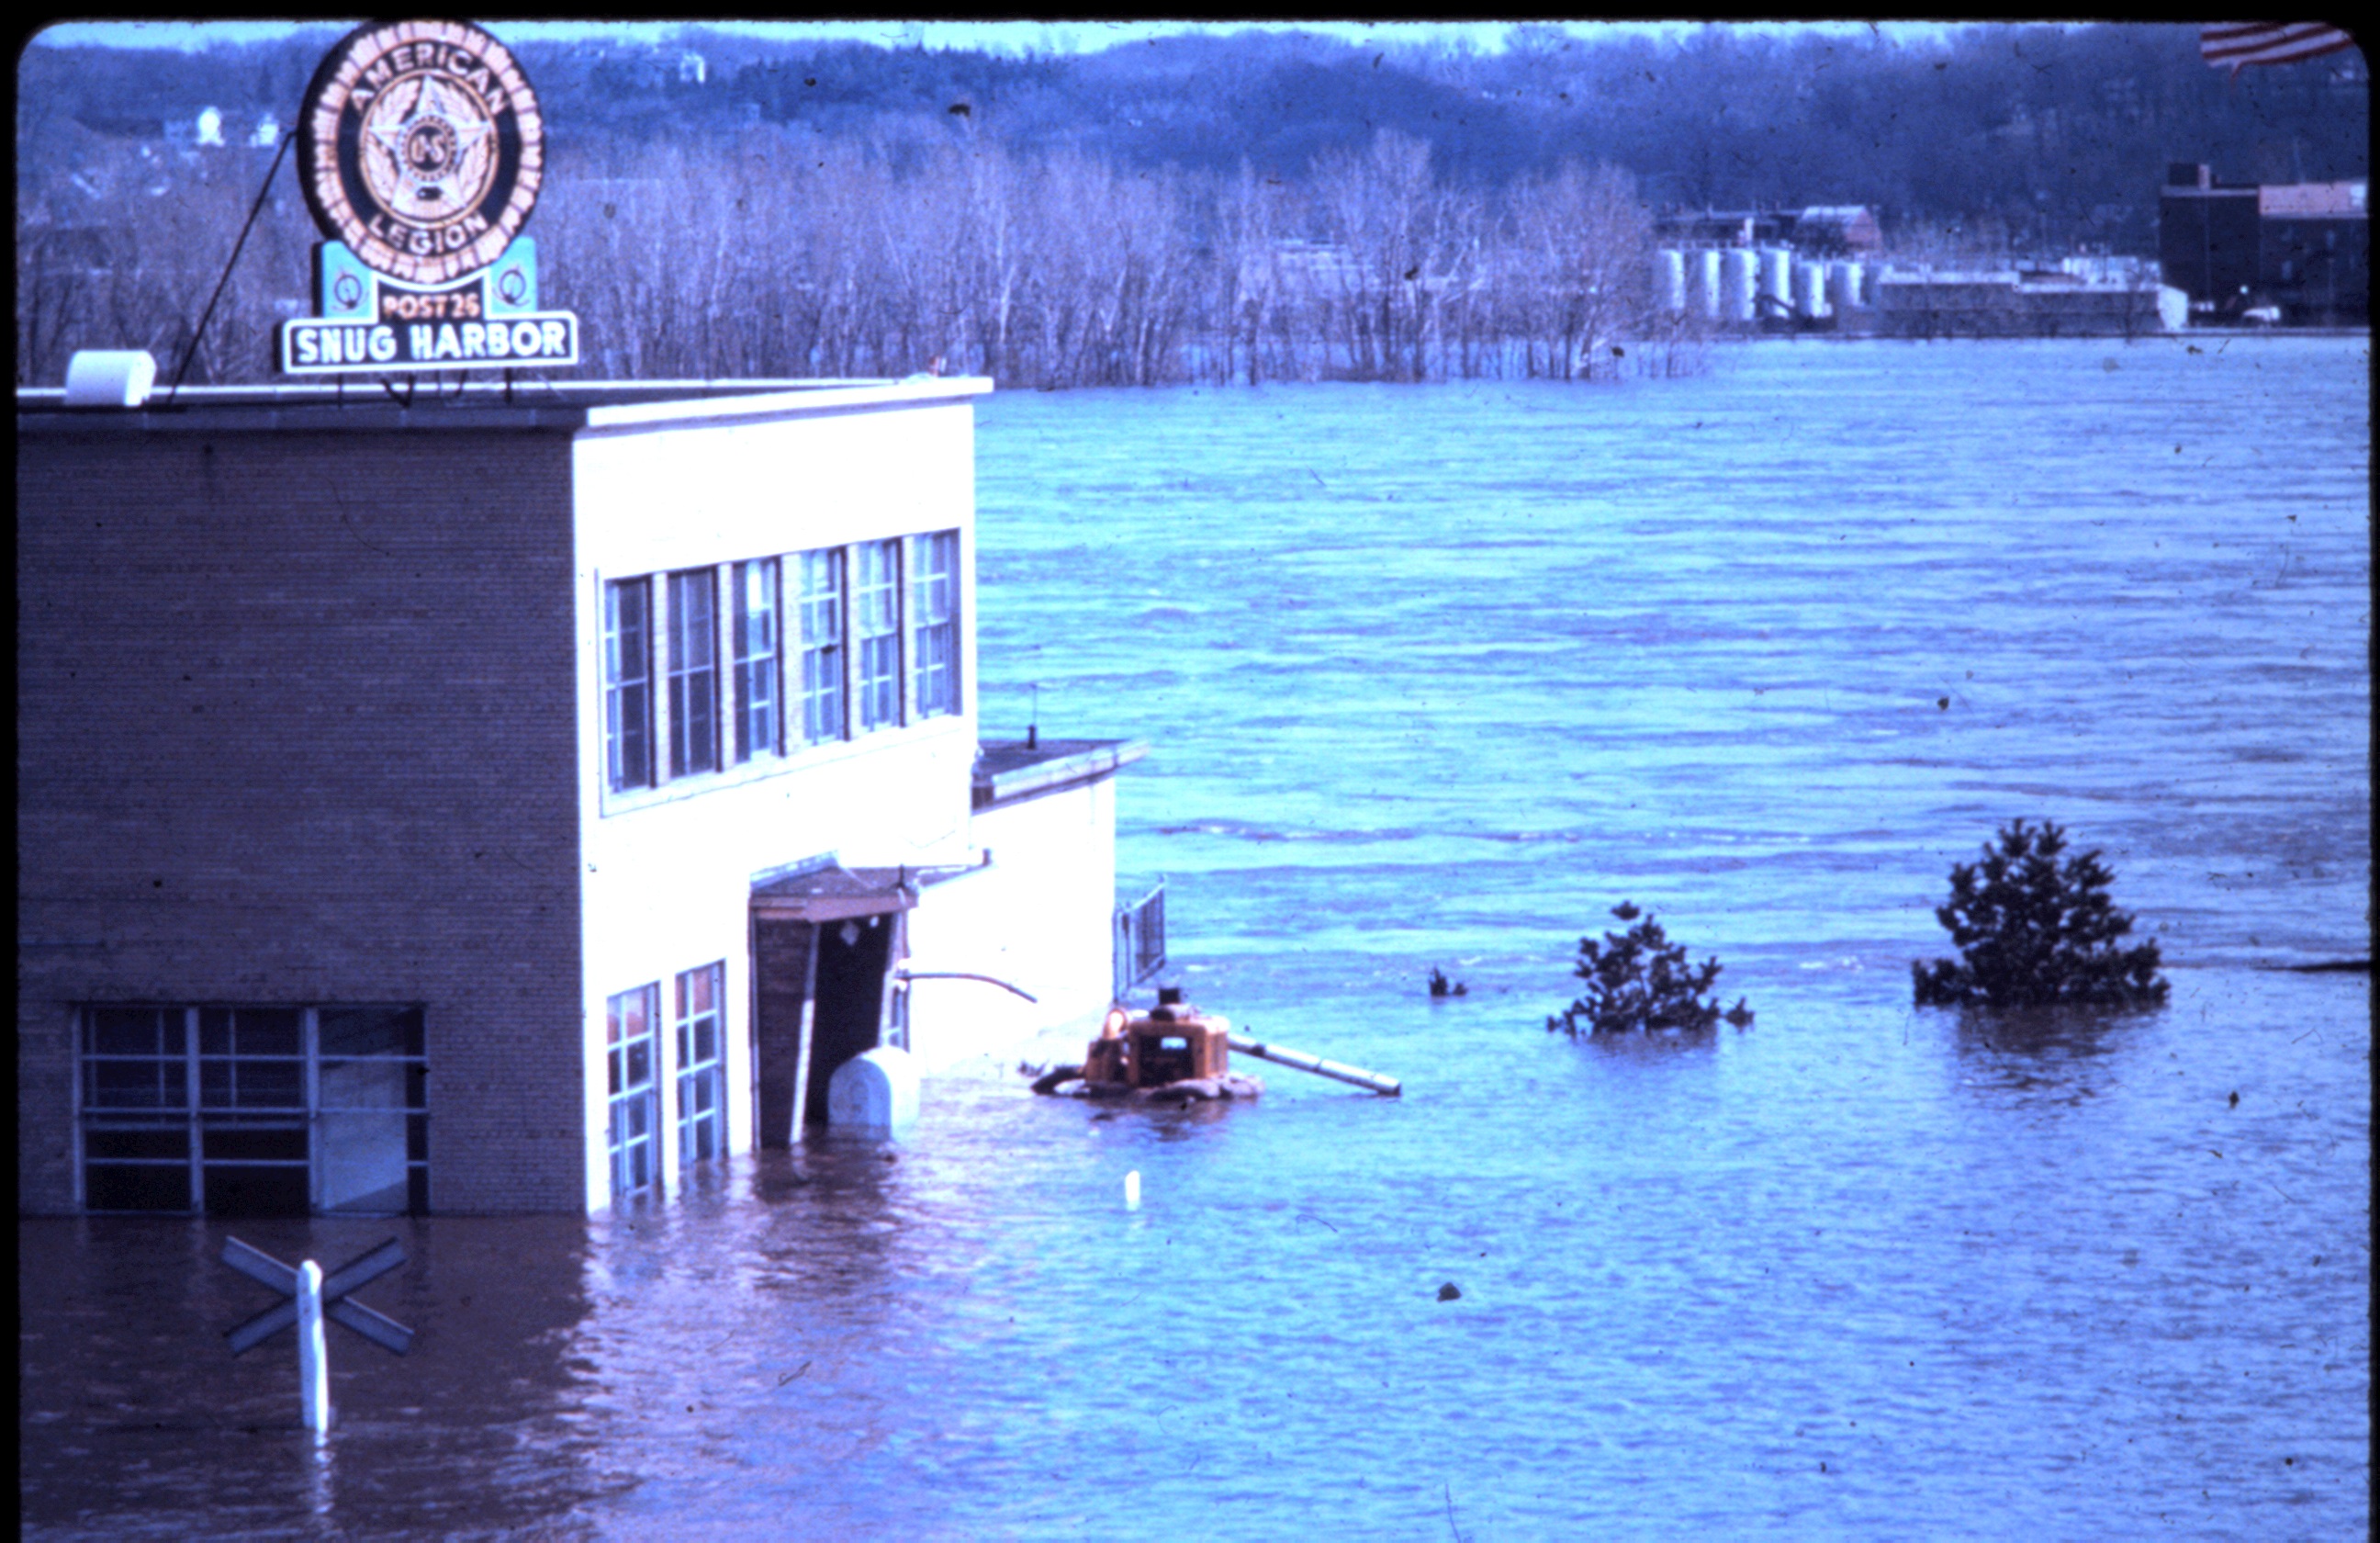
[{"x": 1174, "y": 1043}]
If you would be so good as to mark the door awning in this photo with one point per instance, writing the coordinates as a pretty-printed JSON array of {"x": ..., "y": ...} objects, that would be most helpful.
[{"x": 836, "y": 894}]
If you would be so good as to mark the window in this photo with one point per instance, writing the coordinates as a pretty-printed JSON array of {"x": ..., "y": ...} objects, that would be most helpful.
[
  {"x": 627, "y": 684},
  {"x": 701, "y": 1076},
  {"x": 694, "y": 672},
  {"x": 756, "y": 659},
  {"x": 822, "y": 645},
  {"x": 254, "y": 1110},
  {"x": 879, "y": 607},
  {"x": 749, "y": 660},
  {"x": 933, "y": 621},
  {"x": 629, "y": 1073}
]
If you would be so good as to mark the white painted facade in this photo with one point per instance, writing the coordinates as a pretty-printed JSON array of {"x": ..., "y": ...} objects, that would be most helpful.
[{"x": 669, "y": 869}]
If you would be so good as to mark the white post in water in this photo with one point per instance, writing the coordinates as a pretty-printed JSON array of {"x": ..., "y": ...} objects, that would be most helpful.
[
  {"x": 1132, "y": 1190},
  {"x": 313, "y": 1355}
]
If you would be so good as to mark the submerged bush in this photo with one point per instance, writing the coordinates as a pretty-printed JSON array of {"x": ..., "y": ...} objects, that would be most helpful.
[
  {"x": 1639, "y": 981},
  {"x": 2032, "y": 932}
]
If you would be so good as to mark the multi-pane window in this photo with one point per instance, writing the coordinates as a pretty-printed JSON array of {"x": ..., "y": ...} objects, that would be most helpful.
[
  {"x": 701, "y": 1076},
  {"x": 693, "y": 671},
  {"x": 822, "y": 645},
  {"x": 756, "y": 659},
  {"x": 934, "y": 620},
  {"x": 627, "y": 684},
  {"x": 254, "y": 1110},
  {"x": 876, "y": 607},
  {"x": 630, "y": 1074}
]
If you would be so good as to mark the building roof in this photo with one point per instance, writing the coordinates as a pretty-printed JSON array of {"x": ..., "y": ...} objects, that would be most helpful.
[
  {"x": 1007, "y": 771},
  {"x": 832, "y": 893},
  {"x": 553, "y": 407},
  {"x": 2336, "y": 200}
]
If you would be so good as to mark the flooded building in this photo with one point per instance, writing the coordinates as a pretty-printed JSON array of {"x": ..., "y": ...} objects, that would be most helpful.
[
  {"x": 483, "y": 803},
  {"x": 2299, "y": 253}
]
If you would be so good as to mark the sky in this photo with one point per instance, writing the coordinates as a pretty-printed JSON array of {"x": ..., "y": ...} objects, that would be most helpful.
[{"x": 1062, "y": 37}]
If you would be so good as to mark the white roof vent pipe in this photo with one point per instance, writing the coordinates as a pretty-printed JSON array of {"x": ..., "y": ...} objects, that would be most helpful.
[{"x": 110, "y": 378}]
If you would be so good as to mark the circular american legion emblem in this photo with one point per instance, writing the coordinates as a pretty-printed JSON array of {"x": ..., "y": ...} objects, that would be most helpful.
[{"x": 420, "y": 147}]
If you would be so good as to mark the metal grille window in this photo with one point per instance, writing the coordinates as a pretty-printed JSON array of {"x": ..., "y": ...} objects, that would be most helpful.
[
  {"x": 627, "y": 684},
  {"x": 822, "y": 716},
  {"x": 629, "y": 1073},
  {"x": 933, "y": 621},
  {"x": 1139, "y": 939},
  {"x": 694, "y": 672},
  {"x": 240, "y": 1110},
  {"x": 879, "y": 608},
  {"x": 701, "y": 1079},
  {"x": 756, "y": 659}
]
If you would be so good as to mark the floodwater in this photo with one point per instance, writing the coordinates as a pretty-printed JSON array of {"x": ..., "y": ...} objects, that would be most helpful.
[{"x": 1435, "y": 677}]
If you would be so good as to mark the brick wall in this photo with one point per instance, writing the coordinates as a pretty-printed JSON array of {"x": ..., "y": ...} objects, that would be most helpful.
[{"x": 296, "y": 724}]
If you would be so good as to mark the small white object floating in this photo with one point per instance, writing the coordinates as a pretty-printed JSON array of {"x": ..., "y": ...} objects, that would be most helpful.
[{"x": 1132, "y": 1190}]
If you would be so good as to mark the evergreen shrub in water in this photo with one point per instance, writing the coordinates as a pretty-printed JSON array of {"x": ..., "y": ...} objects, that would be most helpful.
[
  {"x": 2032, "y": 932},
  {"x": 1638, "y": 981}
]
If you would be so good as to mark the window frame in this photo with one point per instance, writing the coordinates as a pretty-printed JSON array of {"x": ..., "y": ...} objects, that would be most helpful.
[
  {"x": 628, "y": 759},
  {"x": 690, "y": 665},
  {"x": 881, "y": 678},
  {"x": 625, "y": 1096},
  {"x": 694, "y": 1074},
  {"x": 933, "y": 559},
  {"x": 211, "y": 1118},
  {"x": 758, "y": 671},
  {"x": 826, "y": 665}
]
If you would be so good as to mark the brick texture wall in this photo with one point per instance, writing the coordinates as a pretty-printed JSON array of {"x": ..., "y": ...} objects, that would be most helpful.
[{"x": 296, "y": 724}]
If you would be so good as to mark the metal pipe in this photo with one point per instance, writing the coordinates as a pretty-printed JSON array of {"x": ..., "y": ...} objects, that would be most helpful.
[
  {"x": 1339, "y": 1071},
  {"x": 964, "y": 975}
]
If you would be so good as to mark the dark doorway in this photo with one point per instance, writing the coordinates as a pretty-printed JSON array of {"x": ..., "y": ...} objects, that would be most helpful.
[
  {"x": 783, "y": 952},
  {"x": 847, "y": 1010}
]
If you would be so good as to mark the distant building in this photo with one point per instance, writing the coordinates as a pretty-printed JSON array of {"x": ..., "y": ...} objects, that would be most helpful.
[
  {"x": 210, "y": 126},
  {"x": 266, "y": 134},
  {"x": 486, "y": 805},
  {"x": 1836, "y": 230},
  {"x": 2302, "y": 250},
  {"x": 1820, "y": 230}
]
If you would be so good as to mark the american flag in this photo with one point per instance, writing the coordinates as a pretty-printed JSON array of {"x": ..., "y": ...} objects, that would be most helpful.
[{"x": 2237, "y": 44}]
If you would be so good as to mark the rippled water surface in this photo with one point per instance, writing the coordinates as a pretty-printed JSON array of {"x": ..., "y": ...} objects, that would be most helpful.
[{"x": 1433, "y": 676}]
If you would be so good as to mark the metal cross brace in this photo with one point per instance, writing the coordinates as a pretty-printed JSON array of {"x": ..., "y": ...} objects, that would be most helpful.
[{"x": 263, "y": 1268}]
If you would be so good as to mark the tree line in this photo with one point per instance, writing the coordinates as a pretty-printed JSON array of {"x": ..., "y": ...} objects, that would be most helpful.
[
  {"x": 967, "y": 256},
  {"x": 1202, "y": 208}
]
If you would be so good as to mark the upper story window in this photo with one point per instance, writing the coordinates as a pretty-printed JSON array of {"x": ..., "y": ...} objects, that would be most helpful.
[
  {"x": 822, "y": 650},
  {"x": 694, "y": 672},
  {"x": 757, "y": 660},
  {"x": 934, "y": 621},
  {"x": 627, "y": 683},
  {"x": 760, "y": 658},
  {"x": 879, "y": 608}
]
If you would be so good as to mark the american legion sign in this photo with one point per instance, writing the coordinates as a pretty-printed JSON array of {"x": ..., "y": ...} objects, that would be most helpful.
[{"x": 420, "y": 148}]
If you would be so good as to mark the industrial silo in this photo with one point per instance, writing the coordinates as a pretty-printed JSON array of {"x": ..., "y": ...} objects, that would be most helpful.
[
  {"x": 1709, "y": 269},
  {"x": 1810, "y": 288},
  {"x": 1775, "y": 278},
  {"x": 1741, "y": 282},
  {"x": 1669, "y": 281},
  {"x": 1844, "y": 285}
]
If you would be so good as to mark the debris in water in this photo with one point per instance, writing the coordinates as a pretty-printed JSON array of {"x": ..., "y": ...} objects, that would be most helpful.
[{"x": 1449, "y": 1292}]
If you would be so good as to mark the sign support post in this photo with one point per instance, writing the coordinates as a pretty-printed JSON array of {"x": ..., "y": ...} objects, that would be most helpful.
[
  {"x": 310, "y": 1299},
  {"x": 313, "y": 1353}
]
